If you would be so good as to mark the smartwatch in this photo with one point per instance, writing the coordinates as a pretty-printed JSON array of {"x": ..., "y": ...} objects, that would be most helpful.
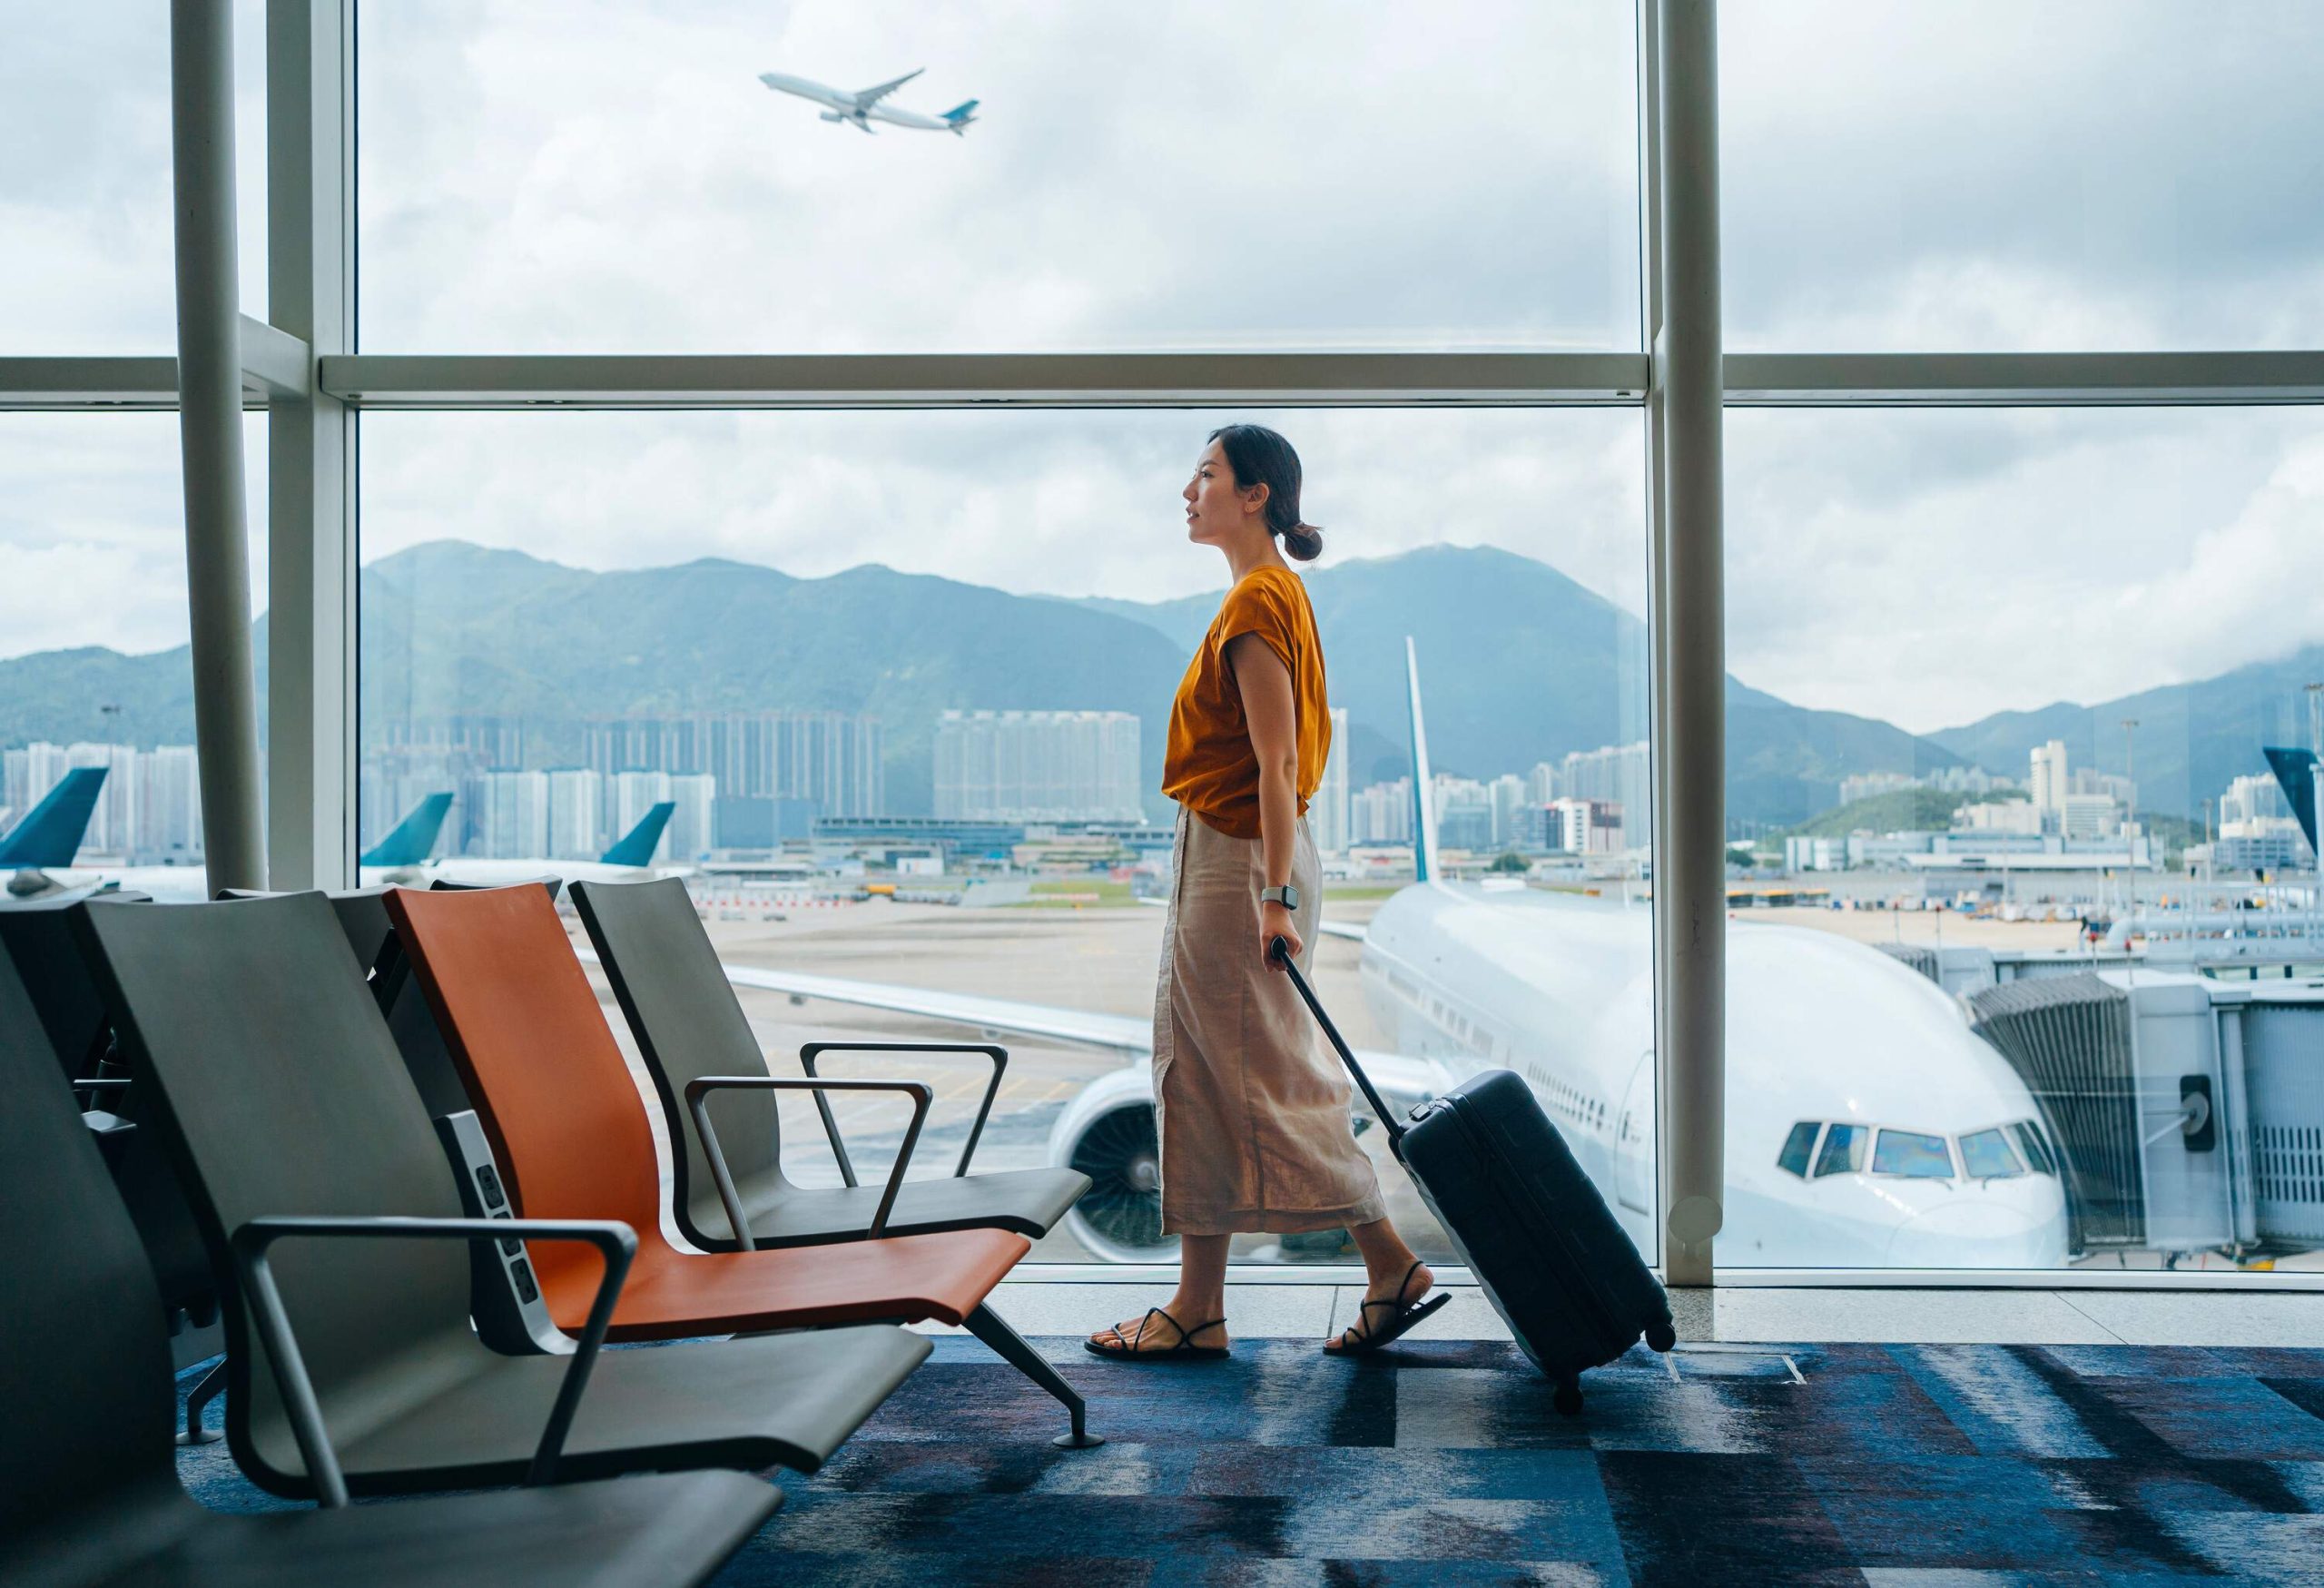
[{"x": 1287, "y": 896}]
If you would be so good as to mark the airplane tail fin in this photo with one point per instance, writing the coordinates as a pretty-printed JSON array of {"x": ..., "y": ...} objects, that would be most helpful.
[
  {"x": 50, "y": 834},
  {"x": 637, "y": 845},
  {"x": 414, "y": 837},
  {"x": 961, "y": 114},
  {"x": 1424, "y": 867},
  {"x": 2295, "y": 772}
]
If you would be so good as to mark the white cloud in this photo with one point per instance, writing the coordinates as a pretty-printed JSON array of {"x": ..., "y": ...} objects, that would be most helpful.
[
  {"x": 600, "y": 174},
  {"x": 1056, "y": 503}
]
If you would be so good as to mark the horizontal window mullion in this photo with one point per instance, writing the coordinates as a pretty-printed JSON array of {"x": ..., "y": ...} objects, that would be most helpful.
[
  {"x": 1064, "y": 379},
  {"x": 2021, "y": 379}
]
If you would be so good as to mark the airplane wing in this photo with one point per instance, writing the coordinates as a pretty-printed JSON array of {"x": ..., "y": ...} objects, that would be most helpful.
[
  {"x": 1402, "y": 1080},
  {"x": 1346, "y": 929},
  {"x": 866, "y": 98}
]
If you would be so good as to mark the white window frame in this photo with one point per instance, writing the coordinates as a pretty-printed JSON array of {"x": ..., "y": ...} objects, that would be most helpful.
[{"x": 301, "y": 365}]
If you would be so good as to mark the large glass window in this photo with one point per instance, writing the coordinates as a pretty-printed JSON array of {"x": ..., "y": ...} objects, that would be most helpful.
[
  {"x": 95, "y": 670},
  {"x": 616, "y": 177},
  {"x": 1985, "y": 175},
  {"x": 2019, "y": 752},
  {"x": 841, "y": 645},
  {"x": 85, "y": 174}
]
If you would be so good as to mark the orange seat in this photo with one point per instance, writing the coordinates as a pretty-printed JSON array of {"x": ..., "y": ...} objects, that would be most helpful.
[{"x": 574, "y": 1140}]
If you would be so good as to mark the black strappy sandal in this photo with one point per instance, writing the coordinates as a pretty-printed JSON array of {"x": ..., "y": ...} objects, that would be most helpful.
[
  {"x": 1360, "y": 1337},
  {"x": 1123, "y": 1349}
]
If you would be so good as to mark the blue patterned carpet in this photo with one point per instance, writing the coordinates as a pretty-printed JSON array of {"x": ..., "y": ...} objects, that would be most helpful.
[{"x": 1922, "y": 1464}]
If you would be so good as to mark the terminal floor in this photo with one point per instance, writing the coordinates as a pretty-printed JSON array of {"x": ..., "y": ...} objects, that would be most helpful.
[{"x": 1443, "y": 1462}]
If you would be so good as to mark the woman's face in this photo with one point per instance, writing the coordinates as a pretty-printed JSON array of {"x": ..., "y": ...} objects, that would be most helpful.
[{"x": 1217, "y": 511}]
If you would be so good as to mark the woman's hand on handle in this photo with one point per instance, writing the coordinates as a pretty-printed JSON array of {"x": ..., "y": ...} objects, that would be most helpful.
[{"x": 1274, "y": 922}]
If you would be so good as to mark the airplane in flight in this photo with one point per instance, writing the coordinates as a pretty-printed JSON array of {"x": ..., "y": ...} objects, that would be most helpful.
[
  {"x": 40, "y": 850},
  {"x": 862, "y": 108},
  {"x": 1868, "y": 1126}
]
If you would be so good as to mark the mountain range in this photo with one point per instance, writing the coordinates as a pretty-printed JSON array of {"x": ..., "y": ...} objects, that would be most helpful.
[{"x": 1519, "y": 664}]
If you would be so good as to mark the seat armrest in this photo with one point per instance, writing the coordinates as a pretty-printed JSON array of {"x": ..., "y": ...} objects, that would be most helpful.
[
  {"x": 992, "y": 1050},
  {"x": 612, "y": 1238},
  {"x": 698, "y": 1093}
]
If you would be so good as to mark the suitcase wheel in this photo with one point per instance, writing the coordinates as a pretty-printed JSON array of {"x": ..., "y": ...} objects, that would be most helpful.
[
  {"x": 1569, "y": 1398},
  {"x": 1660, "y": 1335}
]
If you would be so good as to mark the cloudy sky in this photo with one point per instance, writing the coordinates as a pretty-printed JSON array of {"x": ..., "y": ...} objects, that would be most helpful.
[{"x": 593, "y": 175}]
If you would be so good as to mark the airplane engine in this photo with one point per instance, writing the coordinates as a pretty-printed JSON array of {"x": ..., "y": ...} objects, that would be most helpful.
[
  {"x": 830, "y": 116},
  {"x": 1108, "y": 1133}
]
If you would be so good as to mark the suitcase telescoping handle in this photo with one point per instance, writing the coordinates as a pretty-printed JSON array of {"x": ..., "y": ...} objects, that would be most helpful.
[{"x": 1279, "y": 951}]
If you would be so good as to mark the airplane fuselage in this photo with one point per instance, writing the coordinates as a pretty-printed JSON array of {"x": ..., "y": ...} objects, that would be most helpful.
[
  {"x": 841, "y": 105},
  {"x": 1819, "y": 1031}
]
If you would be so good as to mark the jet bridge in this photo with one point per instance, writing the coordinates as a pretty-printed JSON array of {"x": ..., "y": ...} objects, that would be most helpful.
[{"x": 2189, "y": 1109}]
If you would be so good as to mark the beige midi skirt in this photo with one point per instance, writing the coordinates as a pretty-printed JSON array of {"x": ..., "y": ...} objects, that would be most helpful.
[{"x": 1251, "y": 1105}]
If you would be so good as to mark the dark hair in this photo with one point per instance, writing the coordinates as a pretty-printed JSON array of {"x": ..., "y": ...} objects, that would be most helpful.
[{"x": 1258, "y": 456}]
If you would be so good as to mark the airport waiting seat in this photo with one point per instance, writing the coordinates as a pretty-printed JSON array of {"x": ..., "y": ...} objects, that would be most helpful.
[
  {"x": 689, "y": 1025},
  {"x": 92, "y": 1493},
  {"x": 65, "y": 1004},
  {"x": 574, "y": 1140},
  {"x": 284, "y": 1096}
]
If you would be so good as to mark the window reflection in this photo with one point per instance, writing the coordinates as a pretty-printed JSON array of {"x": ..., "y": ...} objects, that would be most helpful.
[
  {"x": 1986, "y": 1155},
  {"x": 1844, "y": 1147},
  {"x": 1797, "y": 1147},
  {"x": 1912, "y": 1155}
]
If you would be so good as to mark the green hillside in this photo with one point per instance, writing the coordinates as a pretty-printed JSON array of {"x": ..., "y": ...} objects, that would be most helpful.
[
  {"x": 1519, "y": 664},
  {"x": 1903, "y": 810}
]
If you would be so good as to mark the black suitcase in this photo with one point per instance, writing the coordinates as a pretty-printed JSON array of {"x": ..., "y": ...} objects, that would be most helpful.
[{"x": 1525, "y": 1218}]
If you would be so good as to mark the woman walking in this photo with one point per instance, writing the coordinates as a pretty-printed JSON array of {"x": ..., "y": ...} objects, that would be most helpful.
[{"x": 1253, "y": 1114}]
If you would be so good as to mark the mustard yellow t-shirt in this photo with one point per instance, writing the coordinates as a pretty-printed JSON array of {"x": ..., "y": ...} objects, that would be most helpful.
[{"x": 1208, "y": 765}]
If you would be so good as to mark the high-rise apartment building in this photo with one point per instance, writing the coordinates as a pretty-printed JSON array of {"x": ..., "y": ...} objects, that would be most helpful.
[
  {"x": 1328, "y": 811},
  {"x": 1617, "y": 774},
  {"x": 693, "y": 823},
  {"x": 113, "y": 825},
  {"x": 2046, "y": 776},
  {"x": 576, "y": 814},
  {"x": 169, "y": 806},
  {"x": 1381, "y": 814},
  {"x": 830, "y": 757},
  {"x": 508, "y": 815},
  {"x": 1038, "y": 766}
]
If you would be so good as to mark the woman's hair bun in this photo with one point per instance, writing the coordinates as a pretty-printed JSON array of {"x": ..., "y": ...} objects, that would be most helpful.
[
  {"x": 1303, "y": 542},
  {"x": 1259, "y": 456}
]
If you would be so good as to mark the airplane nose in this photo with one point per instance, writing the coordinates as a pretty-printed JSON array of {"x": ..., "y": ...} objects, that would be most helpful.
[{"x": 1970, "y": 1234}]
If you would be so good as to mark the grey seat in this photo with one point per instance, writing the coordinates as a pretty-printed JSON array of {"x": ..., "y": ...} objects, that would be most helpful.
[
  {"x": 93, "y": 1493},
  {"x": 57, "y": 998},
  {"x": 285, "y": 1097},
  {"x": 688, "y": 1024}
]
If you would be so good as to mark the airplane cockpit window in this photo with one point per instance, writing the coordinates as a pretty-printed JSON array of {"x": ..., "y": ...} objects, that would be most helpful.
[
  {"x": 2035, "y": 1146},
  {"x": 1912, "y": 1155},
  {"x": 1799, "y": 1148},
  {"x": 1986, "y": 1155},
  {"x": 1845, "y": 1147}
]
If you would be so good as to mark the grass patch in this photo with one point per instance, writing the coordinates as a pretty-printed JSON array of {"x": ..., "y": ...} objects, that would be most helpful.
[{"x": 1078, "y": 893}]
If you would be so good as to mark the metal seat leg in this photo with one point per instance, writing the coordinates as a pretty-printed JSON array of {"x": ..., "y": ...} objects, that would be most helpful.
[
  {"x": 207, "y": 1389},
  {"x": 989, "y": 1326}
]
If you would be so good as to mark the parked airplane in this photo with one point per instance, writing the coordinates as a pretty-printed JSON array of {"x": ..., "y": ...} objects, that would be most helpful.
[
  {"x": 45, "y": 842},
  {"x": 49, "y": 836},
  {"x": 1867, "y": 1125},
  {"x": 861, "y": 109},
  {"x": 630, "y": 856}
]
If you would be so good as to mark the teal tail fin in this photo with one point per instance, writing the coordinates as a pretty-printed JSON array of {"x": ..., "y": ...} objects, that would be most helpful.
[
  {"x": 414, "y": 837},
  {"x": 1425, "y": 866},
  {"x": 2295, "y": 770},
  {"x": 637, "y": 845},
  {"x": 50, "y": 835}
]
